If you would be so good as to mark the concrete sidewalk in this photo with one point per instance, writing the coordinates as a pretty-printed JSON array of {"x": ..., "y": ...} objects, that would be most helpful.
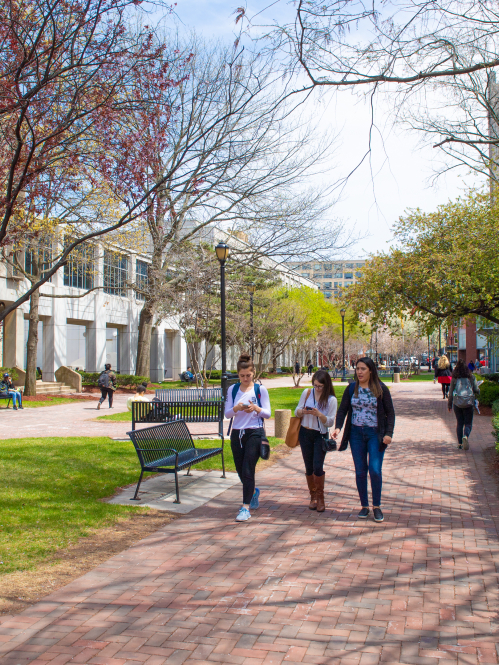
[{"x": 294, "y": 586}]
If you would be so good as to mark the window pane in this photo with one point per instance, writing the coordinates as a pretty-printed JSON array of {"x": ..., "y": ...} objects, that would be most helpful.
[
  {"x": 349, "y": 275},
  {"x": 115, "y": 273},
  {"x": 141, "y": 278},
  {"x": 79, "y": 270}
]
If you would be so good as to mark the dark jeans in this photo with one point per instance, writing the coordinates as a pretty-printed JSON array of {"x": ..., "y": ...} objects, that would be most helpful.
[
  {"x": 246, "y": 452},
  {"x": 311, "y": 449},
  {"x": 445, "y": 389},
  {"x": 364, "y": 443},
  {"x": 106, "y": 392},
  {"x": 464, "y": 417}
]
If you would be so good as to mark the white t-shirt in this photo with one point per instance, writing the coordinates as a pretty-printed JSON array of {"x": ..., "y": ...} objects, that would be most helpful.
[
  {"x": 312, "y": 422},
  {"x": 244, "y": 420}
]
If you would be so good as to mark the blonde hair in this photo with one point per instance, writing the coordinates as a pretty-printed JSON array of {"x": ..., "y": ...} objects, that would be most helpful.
[{"x": 443, "y": 362}]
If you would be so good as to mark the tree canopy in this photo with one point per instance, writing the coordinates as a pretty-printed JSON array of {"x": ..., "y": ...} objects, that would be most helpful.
[{"x": 445, "y": 266}]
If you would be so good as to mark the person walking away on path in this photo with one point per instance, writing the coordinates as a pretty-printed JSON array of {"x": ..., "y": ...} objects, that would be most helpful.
[
  {"x": 297, "y": 367},
  {"x": 248, "y": 404},
  {"x": 140, "y": 396},
  {"x": 462, "y": 392},
  {"x": 310, "y": 367},
  {"x": 370, "y": 418},
  {"x": 443, "y": 372},
  {"x": 317, "y": 410},
  {"x": 107, "y": 383},
  {"x": 7, "y": 386}
]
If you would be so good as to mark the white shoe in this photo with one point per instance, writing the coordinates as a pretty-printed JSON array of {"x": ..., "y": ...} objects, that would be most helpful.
[
  {"x": 466, "y": 443},
  {"x": 244, "y": 515}
]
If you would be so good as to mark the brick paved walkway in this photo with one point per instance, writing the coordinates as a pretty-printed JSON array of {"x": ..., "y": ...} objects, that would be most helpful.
[{"x": 292, "y": 586}]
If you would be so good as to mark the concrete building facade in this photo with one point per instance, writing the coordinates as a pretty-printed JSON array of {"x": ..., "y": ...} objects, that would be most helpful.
[{"x": 332, "y": 277}]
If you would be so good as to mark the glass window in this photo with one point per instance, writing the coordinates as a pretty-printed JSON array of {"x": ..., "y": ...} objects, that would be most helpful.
[
  {"x": 328, "y": 266},
  {"x": 349, "y": 275},
  {"x": 358, "y": 275},
  {"x": 338, "y": 266},
  {"x": 328, "y": 285},
  {"x": 348, "y": 265},
  {"x": 328, "y": 275},
  {"x": 38, "y": 257},
  {"x": 305, "y": 267},
  {"x": 338, "y": 274},
  {"x": 305, "y": 274},
  {"x": 336, "y": 284},
  {"x": 115, "y": 273},
  {"x": 318, "y": 266},
  {"x": 328, "y": 294},
  {"x": 78, "y": 271},
  {"x": 359, "y": 265},
  {"x": 318, "y": 275},
  {"x": 141, "y": 278}
]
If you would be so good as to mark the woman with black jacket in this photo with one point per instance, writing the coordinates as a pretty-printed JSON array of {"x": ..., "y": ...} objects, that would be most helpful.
[
  {"x": 370, "y": 419},
  {"x": 443, "y": 373}
]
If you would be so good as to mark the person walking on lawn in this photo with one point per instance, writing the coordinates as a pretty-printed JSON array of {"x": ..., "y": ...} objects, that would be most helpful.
[
  {"x": 443, "y": 372},
  {"x": 247, "y": 404},
  {"x": 107, "y": 383},
  {"x": 462, "y": 391},
  {"x": 317, "y": 410},
  {"x": 370, "y": 418}
]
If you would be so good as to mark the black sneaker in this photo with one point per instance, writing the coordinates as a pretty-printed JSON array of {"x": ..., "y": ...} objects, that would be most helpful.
[
  {"x": 460, "y": 446},
  {"x": 364, "y": 514},
  {"x": 378, "y": 515}
]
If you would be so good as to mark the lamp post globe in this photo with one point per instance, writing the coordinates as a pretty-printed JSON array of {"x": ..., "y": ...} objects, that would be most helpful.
[{"x": 222, "y": 252}]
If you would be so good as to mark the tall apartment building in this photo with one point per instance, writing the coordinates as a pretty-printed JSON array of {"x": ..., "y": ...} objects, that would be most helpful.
[{"x": 331, "y": 276}]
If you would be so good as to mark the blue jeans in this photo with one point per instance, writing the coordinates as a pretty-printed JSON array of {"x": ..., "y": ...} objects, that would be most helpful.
[
  {"x": 16, "y": 396},
  {"x": 364, "y": 442}
]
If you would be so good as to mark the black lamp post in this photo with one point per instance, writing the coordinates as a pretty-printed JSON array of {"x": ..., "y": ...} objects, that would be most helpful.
[
  {"x": 222, "y": 252},
  {"x": 252, "y": 289},
  {"x": 343, "y": 373}
]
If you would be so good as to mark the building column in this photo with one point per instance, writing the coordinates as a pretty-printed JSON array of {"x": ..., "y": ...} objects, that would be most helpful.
[
  {"x": 96, "y": 330},
  {"x": 54, "y": 340},
  {"x": 157, "y": 361},
  {"x": 13, "y": 339},
  {"x": 179, "y": 354},
  {"x": 470, "y": 341}
]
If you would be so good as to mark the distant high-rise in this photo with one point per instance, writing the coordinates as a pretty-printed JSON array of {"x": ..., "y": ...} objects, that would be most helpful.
[{"x": 331, "y": 276}]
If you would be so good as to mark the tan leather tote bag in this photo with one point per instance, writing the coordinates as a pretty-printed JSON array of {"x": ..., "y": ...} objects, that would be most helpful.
[{"x": 294, "y": 428}]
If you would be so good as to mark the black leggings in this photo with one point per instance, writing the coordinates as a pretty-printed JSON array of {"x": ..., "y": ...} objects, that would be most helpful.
[
  {"x": 464, "y": 417},
  {"x": 311, "y": 449},
  {"x": 106, "y": 392},
  {"x": 246, "y": 452},
  {"x": 445, "y": 389}
]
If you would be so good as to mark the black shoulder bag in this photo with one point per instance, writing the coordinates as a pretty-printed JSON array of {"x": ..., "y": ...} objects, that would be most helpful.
[{"x": 328, "y": 445}]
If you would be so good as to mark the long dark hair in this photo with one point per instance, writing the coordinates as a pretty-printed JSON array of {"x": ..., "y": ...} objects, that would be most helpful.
[
  {"x": 323, "y": 377},
  {"x": 461, "y": 370},
  {"x": 374, "y": 382}
]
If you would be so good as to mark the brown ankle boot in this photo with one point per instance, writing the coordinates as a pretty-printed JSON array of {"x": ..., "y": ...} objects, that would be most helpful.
[
  {"x": 311, "y": 487},
  {"x": 319, "y": 490}
]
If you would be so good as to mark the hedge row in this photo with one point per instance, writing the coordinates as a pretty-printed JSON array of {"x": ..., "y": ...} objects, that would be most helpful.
[
  {"x": 123, "y": 380},
  {"x": 489, "y": 393},
  {"x": 495, "y": 421}
]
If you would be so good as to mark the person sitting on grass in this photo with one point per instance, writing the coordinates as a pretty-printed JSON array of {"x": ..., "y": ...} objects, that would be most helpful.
[
  {"x": 7, "y": 386},
  {"x": 138, "y": 397}
]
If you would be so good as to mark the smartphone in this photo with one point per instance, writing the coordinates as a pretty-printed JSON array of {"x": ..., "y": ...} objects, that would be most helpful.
[{"x": 309, "y": 408}]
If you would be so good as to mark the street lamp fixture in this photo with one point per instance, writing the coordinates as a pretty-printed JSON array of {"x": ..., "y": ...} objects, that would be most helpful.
[
  {"x": 252, "y": 289},
  {"x": 343, "y": 373},
  {"x": 222, "y": 252}
]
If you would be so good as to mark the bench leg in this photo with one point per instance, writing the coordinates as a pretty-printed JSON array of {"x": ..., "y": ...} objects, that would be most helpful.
[
  {"x": 177, "y": 500},
  {"x": 137, "y": 488},
  {"x": 189, "y": 472},
  {"x": 223, "y": 461}
]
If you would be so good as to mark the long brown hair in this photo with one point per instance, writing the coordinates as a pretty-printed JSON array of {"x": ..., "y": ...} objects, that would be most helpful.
[
  {"x": 323, "y": 377},
  {"x": 374, "y": 382}
]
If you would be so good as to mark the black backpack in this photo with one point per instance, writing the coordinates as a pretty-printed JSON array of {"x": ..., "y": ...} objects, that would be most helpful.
[{"x": 103, "y": 380}]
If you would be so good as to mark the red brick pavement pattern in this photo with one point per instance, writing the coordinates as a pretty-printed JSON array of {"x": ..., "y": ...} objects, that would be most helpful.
[{"x": 292, "y": 586}]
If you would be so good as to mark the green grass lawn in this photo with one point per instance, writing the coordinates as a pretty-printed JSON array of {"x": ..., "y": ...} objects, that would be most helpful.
[
  {"x": 50, "y": 490},
  {"x": 51, "y": 401},
  {"x": 280, "y": 398}
]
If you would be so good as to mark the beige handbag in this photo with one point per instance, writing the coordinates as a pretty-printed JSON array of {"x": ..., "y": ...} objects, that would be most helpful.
[{"x": 294, "y": 428}]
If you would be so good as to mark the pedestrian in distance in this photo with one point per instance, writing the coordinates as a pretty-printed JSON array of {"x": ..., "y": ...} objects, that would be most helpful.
[
  {"x": 310, "y": 367},
  {"x": 317, "y": 410},
  {"x": 443, "y": 372},
  {"x": 471, "y": 366},
  {"x": 462, "y": 392},
  {"x": 367, "y": 407},
  {"x": 297, "y": 367},
  {"x": 107, "y": 383},
  {"x": 248, "y": 404}
]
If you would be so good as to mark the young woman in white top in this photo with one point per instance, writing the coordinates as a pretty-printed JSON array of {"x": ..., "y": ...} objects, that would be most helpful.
[
  {"x": 317, "y": 412},
  {"x": 247, "y": 431}
]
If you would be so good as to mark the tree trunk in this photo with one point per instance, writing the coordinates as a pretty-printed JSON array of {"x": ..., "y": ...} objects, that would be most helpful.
[
  {"x": 32, "y": 346},
  {"x": 274, "y": 360},
  {"x": 143, "y": 365}
]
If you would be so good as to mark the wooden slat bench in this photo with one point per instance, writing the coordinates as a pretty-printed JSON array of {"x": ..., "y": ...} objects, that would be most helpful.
[{"x": 169, "y": 448}]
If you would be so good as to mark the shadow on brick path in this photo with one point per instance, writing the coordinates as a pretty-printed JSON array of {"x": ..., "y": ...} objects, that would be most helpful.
[{"x": 297, "y": 587}]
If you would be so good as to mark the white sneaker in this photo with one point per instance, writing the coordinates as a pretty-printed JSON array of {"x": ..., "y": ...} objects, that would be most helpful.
[
  {"x": 244, "y": 515},
  {"x": 466, "y": 443}
]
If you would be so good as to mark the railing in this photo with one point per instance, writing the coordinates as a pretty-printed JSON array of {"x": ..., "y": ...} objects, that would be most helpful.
[{"x": 189, "y": 394}]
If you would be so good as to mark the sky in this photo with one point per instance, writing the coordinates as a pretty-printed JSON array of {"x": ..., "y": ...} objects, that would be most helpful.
[{"x": 397, "y": 176}]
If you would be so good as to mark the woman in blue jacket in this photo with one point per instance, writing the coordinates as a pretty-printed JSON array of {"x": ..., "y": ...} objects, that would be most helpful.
[{"x": 370, "y": 418}]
